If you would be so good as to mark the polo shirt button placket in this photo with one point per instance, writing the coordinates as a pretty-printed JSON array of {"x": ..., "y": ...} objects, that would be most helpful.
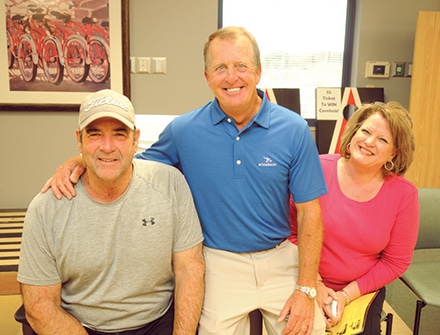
[{"x": 238, "y": 155}]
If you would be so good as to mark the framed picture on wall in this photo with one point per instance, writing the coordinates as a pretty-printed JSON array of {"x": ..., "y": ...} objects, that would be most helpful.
[{"x": 53, "y": 54}]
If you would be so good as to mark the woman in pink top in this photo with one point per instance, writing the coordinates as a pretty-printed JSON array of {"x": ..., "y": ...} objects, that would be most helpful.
[{"x": 371, "y": 212}]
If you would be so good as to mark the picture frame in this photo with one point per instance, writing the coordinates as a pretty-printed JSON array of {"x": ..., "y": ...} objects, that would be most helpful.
[{"x": 55, "y": 97}]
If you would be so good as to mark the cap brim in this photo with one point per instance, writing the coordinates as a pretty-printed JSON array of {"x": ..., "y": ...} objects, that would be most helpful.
[{"x": 101, "y": 115}]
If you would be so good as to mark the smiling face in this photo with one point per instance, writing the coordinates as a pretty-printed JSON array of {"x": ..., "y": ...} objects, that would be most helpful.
[
  {"x": 373, "y": 145},
  {"x": 232, "y": 74},
  {"x": 108, "y": 147}
]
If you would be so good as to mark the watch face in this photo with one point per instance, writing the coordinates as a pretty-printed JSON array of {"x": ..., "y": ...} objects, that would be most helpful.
[{"x": 309, "y": 291}]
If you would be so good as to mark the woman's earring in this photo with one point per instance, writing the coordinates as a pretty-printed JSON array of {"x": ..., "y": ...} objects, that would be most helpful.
[{"x": 387, "y": 167}]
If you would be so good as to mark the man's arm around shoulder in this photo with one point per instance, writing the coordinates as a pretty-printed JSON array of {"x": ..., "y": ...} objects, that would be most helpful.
[{"x": 65, "y": 177}]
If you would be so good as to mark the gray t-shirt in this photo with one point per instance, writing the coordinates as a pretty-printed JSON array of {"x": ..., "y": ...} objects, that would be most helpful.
[{"x": 114, "y": 260}]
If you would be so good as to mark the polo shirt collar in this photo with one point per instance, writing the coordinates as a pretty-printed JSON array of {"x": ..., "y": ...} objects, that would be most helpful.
[{"x": 262, "y": 118}]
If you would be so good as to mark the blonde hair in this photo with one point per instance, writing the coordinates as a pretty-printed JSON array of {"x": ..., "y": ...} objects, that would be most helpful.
[
  {"x": 232, "y": 33},
  {"x": 400, "y": 124}
]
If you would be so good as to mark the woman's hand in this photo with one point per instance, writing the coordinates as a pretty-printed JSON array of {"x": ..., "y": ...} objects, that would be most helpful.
[{"x": 325, "y": 298}]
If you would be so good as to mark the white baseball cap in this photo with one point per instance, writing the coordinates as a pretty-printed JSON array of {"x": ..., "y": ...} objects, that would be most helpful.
[{"x": 106, "y": 103}]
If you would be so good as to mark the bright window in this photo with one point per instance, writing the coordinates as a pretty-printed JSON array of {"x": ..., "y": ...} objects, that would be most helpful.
[{"x": 301, "y": 42}]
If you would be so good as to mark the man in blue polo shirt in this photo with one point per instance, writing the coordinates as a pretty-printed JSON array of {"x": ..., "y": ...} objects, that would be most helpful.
[{"x": 243, "y": 158}]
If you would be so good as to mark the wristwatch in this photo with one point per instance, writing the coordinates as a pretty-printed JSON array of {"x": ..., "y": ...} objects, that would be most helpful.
[{"x": 309, "y": 291}]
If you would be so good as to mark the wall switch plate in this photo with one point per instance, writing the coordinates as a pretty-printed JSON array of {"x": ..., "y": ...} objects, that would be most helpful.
[
  {"x": 144, "y": 64},
  {"x": 160, "y": 65},
  {"x": 408, "y": 69},
  {"x": 133, "y": 64}
]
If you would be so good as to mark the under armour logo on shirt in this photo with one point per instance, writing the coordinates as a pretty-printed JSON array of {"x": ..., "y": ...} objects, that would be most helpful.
[{"x": 149, "y": 221}]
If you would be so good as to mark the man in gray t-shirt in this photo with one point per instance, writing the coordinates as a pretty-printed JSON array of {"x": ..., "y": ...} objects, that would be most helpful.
[{"x": 126, "y": 253}]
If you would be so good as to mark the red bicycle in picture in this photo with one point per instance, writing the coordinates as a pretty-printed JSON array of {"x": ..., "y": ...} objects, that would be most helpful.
[
  {"x": 98, "y": 38},
  {"x": 14, "y": 30},
  {"x": 73, "y": 55},
  {"x": 43, "y": 37},
  {"x": 37, "y": 48}
]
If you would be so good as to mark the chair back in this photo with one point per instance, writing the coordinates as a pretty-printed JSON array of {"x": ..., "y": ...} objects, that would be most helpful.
[{"x": 429, "y": 230}]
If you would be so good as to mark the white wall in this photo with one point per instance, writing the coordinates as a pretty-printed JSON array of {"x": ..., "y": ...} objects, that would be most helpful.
[{"x": 150, "y": 127}]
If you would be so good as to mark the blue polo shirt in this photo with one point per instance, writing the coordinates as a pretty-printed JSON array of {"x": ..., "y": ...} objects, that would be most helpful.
[{"x": 241, "y": 180}]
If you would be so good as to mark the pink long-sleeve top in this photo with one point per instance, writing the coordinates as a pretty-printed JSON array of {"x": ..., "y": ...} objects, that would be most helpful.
[{"x": 371, "y": 242}]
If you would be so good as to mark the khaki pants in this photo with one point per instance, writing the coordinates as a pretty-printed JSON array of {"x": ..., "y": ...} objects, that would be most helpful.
[{"x": 238, "y": 283}]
